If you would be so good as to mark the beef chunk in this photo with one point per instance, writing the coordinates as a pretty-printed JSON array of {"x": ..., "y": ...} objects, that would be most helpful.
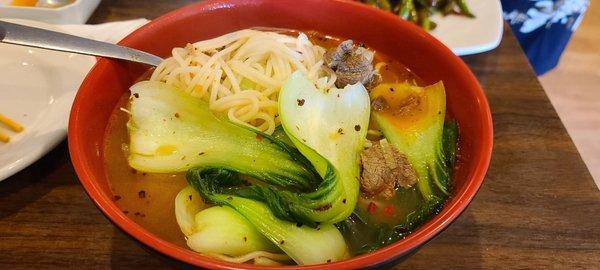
[
  {"x": 384, "y": 169},
  {"x": 379, "y": 104},
  {"x": 352, "y": 64}
]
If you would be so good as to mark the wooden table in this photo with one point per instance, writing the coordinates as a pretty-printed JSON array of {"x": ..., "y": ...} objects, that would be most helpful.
[{"x": 538, "y": 207}]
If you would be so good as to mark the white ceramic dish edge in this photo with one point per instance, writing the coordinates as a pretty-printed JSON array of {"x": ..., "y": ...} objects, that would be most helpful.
[
  {"x": 37, "y": 90},
  {"x": 76, "y": 13},
  {"x": 467, "y": 36}
]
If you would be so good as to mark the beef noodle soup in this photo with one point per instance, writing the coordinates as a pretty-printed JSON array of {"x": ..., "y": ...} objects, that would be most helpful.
[{"x": 274, "y": 147}]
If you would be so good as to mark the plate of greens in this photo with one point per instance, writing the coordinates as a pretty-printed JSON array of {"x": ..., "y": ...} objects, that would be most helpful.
[{"x": 465, "y": 26}]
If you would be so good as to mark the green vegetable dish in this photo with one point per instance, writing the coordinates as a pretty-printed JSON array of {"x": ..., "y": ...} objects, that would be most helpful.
[
  {"x": 420, "y": 11},
  {"x": 280, "y": 147}
]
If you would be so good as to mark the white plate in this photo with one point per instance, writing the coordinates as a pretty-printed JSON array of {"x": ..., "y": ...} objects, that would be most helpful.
[
  {"x": 472, "y": 35},
  {"x": 37, "y": 88},
  {"x": 76, "y": 12}
]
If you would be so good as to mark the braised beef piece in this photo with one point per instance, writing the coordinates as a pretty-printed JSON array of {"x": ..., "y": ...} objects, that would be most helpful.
[
  {"x": 352, "y": 64},
  {"x": 383, "y": 169},
  {"x": 379, "y": 104}
]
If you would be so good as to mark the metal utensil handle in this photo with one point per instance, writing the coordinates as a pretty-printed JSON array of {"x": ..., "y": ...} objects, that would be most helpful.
[{"x": 40, "y": 38}]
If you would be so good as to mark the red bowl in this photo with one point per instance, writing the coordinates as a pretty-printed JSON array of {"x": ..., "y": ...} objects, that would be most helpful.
[{"x": 419, "y": 51}]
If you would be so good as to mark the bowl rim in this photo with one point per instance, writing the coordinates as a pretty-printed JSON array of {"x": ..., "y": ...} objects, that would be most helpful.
[{"x": 376, "y": 258}]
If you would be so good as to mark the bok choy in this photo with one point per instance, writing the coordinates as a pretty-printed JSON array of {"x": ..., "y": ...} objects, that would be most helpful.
[
  {"x": 412, "y": 119},
  {"x": 305, "y": 245},
  {"x": 217, "y": 230},
  {"x": 296, "y": 199},
  {"x": 171, "y": 131},
  {"x": 329, "y": 128}
]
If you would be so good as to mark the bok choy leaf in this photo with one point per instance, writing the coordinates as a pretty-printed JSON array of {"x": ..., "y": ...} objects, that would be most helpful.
[
  {"x": 412, "y": 119},
  {"x": 305, "y": 245},
  {"x": 329, "y": 128},
  {"x": 171, "y": 131},
  {"x": 216, "y": 229}
]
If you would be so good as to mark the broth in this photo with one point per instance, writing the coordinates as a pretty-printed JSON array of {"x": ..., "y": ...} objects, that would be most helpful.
[{"x": 148, "y": 198}]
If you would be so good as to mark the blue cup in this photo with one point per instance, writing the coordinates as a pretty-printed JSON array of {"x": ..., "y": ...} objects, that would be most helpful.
[{"x": 544, "y": 27}]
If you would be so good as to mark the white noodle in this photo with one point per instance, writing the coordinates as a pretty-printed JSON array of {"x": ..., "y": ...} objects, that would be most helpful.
[
  {"x": 255, "y": 255},
  {"x": 213, "y": 70}
]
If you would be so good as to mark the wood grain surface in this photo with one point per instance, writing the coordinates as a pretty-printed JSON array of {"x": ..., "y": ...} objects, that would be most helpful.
[{"x": 538, "y": 207}]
